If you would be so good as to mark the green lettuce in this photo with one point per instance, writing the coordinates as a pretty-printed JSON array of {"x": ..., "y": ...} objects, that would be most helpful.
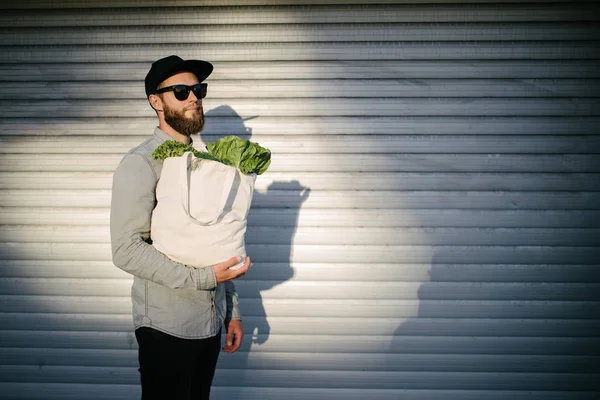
[
  {"x": 173, "y": 148},
  {"x": 249, "y": 157}
]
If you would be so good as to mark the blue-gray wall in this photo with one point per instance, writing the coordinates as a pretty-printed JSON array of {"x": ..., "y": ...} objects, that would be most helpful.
[{"x": 428, "y": 230}]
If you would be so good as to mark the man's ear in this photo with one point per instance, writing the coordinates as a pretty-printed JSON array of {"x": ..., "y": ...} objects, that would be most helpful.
[{"x": 155, "y": 102}]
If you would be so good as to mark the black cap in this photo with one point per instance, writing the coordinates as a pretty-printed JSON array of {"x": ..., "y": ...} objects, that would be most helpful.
[{"x": 169, "y": 66}]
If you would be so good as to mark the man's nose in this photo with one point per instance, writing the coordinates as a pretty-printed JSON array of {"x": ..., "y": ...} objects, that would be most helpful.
[{"x": 193, "y": 97}]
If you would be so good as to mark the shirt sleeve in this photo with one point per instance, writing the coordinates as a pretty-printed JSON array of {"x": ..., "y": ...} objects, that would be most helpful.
[
  {"x": 132, "y": 202},
  {"x": 233, "y": 308}
]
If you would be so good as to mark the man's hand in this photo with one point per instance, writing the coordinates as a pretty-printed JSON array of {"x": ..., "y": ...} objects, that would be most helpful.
[
  {"x": 223, "y": 273},
  {"x": 233, "y": 339}
]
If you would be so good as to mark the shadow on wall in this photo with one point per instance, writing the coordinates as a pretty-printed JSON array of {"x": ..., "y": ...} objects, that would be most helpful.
[
  {"x": 467, "y": 336},
  {"x": 268, "y": 270}
]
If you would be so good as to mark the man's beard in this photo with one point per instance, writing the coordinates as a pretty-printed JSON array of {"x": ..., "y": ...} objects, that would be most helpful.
[{"x": 182, "y": 124}]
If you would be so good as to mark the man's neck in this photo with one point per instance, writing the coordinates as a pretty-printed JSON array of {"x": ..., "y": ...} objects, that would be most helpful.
[{"x": 174, "y": 134}]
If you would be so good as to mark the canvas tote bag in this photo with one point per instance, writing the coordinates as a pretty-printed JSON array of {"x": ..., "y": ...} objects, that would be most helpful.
[{"x": 200, "y": 216}]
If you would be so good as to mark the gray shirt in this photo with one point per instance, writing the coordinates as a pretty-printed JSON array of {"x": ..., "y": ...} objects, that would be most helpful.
[{"x": 177, "y": 299}]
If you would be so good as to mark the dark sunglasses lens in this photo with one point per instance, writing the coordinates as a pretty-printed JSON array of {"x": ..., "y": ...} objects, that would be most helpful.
[
  {"x": 181, "y": 92},
  {"x": 199, "y": 91}
]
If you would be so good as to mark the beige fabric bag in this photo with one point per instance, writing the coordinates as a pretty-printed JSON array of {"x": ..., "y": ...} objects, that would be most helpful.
[{"x": 201, "y": 211}]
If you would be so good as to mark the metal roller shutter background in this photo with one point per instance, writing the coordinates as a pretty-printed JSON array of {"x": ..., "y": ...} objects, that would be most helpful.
[{"x": 428, "y": 228}]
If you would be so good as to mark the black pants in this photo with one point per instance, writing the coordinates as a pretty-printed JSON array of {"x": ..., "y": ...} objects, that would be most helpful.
[{"x": 176, "y": 369}]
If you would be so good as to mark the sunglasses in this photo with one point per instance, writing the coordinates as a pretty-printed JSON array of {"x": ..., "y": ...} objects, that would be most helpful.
[{"x": 182, "y": 92}]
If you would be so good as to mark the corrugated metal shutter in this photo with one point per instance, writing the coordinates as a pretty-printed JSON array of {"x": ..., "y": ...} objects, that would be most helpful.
[{"x": 447, "y": 248}]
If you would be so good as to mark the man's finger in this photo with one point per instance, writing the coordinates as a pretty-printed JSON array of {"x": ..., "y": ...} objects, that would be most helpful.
[
  {"x": 233, "y": 261},
  {"x": 223, "y": 272},
  {"x": 237, "y": 343}
]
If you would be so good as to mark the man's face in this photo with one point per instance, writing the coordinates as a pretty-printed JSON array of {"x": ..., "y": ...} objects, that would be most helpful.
[{"x": 187, "y": 116}]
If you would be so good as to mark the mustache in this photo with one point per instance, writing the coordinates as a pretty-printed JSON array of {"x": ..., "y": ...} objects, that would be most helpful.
[{"x": 196, "y": 107}]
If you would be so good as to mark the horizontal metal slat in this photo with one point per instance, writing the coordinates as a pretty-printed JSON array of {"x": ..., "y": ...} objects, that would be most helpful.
[
  {"x": 59, "y": 361},
  {"x": 494, "y": 149},
  {"x": 337, "y": 254},
  {"x": 349, "y": 327},
  {"x": 120, "y": 4},
  {"x": 551, "y": 50},
  {"x": 301, "y": 33},
  {"x": 331, "y": 290},
  {"x": 427, "y": 293},
  {"x": 332, "y": 199},
  {"x": 378, "y": 235},
  {"x": 273, "y": 14},
  {"x": 224, "y": 71},
  {"x": 407, "y": 128},
  {"x": 261, "y": 217},
  {"x": 30, "y": 391},
  {"x": 419, "y": 380},
  {"x": 349, "y": 163},
  {"x": 327, "y": 181},
  {"x": 271, "y": 273},
  {"x": 376, "y": 107},
  {"x": 388, "y": 236},
  {"x": 273, "y": 343},
  {"x": 269, "y": 307},
  {"x": 326, "y": 88}
]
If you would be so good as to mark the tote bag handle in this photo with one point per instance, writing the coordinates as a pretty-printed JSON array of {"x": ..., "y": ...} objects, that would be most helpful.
[{"x": 205, "y": 206}]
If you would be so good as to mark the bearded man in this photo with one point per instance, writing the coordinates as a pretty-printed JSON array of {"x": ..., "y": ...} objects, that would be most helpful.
[{"x": 178, "y": 340}]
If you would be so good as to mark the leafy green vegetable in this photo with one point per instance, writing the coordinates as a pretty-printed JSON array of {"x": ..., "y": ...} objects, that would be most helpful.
[
  {"x": 249, "y": 157},
  {"x": 173, "y": 148}
]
